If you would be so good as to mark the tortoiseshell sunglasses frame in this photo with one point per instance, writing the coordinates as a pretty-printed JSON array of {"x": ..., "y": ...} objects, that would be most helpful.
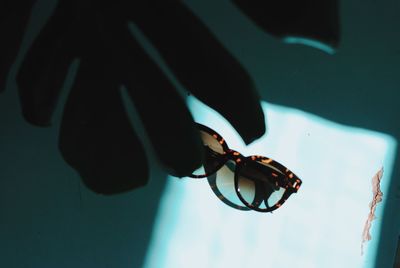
[{"x": 290, "y": 182}]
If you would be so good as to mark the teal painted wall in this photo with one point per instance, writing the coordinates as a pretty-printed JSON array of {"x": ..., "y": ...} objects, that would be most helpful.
[
  {"x": 358, "y": 86},
  {"x": 47, "y": 219}
]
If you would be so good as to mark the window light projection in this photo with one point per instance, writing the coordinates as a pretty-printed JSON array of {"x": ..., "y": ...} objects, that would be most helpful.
[
  {"x": 309, "y": 42},
  {"x": 320, "y": 226}
]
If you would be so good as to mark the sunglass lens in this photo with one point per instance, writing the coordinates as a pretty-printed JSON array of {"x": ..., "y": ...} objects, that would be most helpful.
[
  {"x": 213, "y": 158},
  {"x": 257, "y": 185},
  {"x": 223, "y": 185}
]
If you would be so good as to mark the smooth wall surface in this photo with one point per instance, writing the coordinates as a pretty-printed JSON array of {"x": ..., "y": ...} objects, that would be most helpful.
[{"x": 48, "y": 219}]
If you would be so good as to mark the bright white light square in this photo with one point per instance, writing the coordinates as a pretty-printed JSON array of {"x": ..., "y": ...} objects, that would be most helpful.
[{"x": 320, "y": 226}]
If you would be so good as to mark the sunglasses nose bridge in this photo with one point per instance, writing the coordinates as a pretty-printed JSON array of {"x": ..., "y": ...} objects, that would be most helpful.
[{"x": 234, "y": 155}]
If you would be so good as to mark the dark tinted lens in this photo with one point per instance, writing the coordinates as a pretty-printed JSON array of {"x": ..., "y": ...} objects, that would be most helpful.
[
  {"x": 213, "y": 154},
  {"x": 258, "y": 184},
  {"x": 211, "y": 142},
  {"x": 223, "y": 185}
]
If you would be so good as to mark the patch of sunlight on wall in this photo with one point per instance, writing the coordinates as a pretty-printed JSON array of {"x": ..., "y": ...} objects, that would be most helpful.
[{"x": 320, "y": 226}]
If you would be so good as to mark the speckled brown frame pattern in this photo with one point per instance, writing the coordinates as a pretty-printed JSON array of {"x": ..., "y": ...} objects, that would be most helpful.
[{"x": 286, "y": 179}]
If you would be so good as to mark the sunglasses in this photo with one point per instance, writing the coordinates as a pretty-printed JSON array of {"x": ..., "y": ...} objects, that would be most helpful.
[{"x": 246, "y": 183}]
